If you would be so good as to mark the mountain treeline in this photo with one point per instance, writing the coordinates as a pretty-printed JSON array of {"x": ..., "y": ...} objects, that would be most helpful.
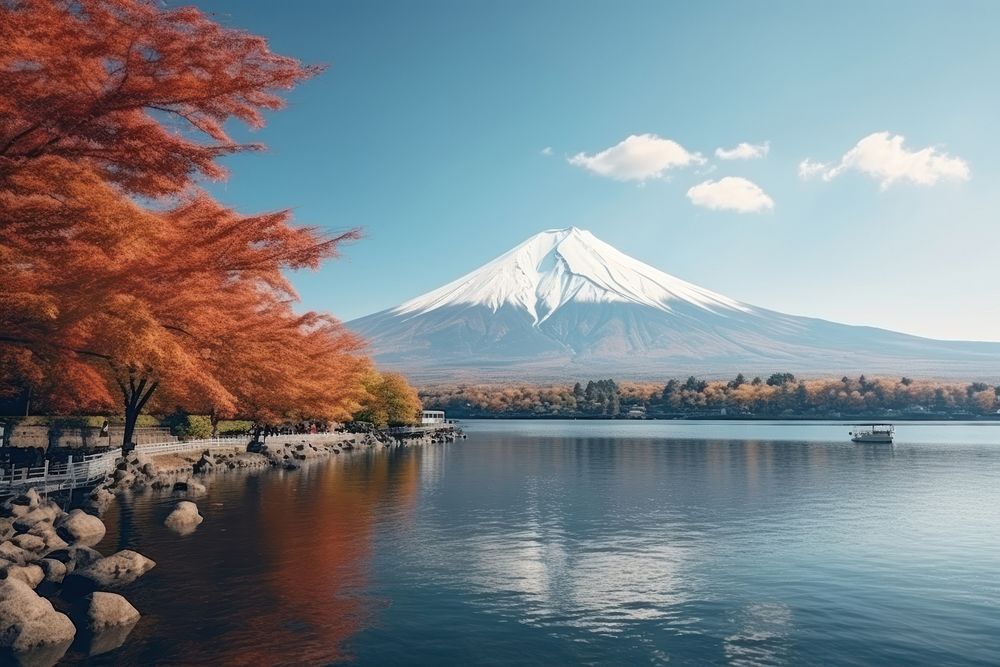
[{"x": 779, "y": 395}]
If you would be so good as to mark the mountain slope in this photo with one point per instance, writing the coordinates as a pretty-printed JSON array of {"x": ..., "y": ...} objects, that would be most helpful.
[{"x": 565, "y": 304}]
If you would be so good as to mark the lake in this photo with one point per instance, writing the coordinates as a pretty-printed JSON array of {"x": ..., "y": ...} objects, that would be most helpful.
[{"x": 586, "y": 542}]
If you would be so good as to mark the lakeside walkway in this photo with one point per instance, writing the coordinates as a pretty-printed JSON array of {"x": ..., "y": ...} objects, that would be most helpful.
[{"x": 88, "y": 469}]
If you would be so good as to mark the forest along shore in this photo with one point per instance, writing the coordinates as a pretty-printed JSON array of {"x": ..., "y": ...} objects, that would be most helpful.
[{"x": 58, "y": 592}]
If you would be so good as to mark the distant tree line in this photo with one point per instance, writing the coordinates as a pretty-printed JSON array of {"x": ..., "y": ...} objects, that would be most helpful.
[{"x": 777, "y": 395}]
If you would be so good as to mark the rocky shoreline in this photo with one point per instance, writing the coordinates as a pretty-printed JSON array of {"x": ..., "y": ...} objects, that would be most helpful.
[
  {"x": 56, "y": 587},
  {"x": 57, "y": 590}
]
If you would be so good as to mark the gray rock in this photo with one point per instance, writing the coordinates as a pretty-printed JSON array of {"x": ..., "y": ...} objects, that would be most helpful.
[
  {"x": 29, "y": 574},
  {"x": 28, "y": 621},
  {"x": 75, "y": 557},
  {"x": 54, "y": 570},
  {"x": 29, "y": 542},
  {"x": 13, "y": 553},
  {"x": 15, "y": 511},
  {"x": 115, "y": 571},
  {"x": 100, "y": 498},
  {"x": 189, "y": 487},
  {"x": 29, "y": 498},
  {"x": 185, "y": 518},
  {"x": 101, "y": 611},
  {"x": 43, "y": 513},
  {"x": 162, "y": 483},
  {"x": 49, "y": 536},
  {"x": 78, "y": 527}
]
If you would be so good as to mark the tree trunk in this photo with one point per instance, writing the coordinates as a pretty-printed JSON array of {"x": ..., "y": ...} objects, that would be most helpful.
[
  {"x": 136, "y": 396},
  {"x": 214, "y": 417},
  {"x": 131, "y": 415}
]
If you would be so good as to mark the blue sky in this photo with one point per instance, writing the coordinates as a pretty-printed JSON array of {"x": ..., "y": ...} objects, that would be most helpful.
[{"x": 430, "y": 126}]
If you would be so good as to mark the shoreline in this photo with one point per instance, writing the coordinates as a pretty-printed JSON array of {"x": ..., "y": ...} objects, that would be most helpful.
[
  {"x": 849, "y": 419},
  {"x": 176, "y": 470}
]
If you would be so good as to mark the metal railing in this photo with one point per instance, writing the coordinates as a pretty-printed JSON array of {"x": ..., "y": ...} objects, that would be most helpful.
[
  {"x": 175, "y": 446},
  {"x": 233, "y": 441},
  {"x": 50, "y": 477}
]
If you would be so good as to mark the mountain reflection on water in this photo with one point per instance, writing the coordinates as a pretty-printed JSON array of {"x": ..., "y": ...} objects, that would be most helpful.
[{"x": 552, "y": 543}]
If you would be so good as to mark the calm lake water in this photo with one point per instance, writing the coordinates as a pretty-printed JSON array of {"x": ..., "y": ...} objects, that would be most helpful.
[{"x": 581, "y": 542}]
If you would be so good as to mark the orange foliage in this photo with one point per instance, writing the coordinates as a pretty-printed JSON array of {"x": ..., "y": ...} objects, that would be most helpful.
[{"x": 119, "y": 277}]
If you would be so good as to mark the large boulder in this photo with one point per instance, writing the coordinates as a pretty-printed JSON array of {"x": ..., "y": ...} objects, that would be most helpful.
[
  {"x": 189, "y": 487},
  {"x": 53, "y": 570},
  {"x": 6, "y": 527},
  {"x": 28, "y": 621},
  {"x": 100, "y": 498},
  {"x": 78, "y": 527},
  {"x": 123, "y": 478},
  {"x": 29, "y": 542},
  {"x": 115, "y": 571},
  {"x": 49, "y": 536},
  {"x": 23, "y": 503},
  {"x": 44, "y": 513},
  {"x": 100, "y": 611},
  {"x": 75, "y": 557},
  {"x": 13, "y": 553},
  {"x": 185, "y": 518},
  {"x": 29, "y": 574},
  {"x": 105, "y": 621}
]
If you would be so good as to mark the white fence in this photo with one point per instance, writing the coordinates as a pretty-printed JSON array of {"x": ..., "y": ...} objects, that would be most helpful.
[
  {"x": 242, "y": 441},
  {"x": 156, "y": 448},
  {"x": 51, "y": 477}
]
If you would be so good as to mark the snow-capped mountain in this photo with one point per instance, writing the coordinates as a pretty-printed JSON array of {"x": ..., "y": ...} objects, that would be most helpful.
[
  {"x": 561, "y": 266},
  {"x": 566, "y": 304}
]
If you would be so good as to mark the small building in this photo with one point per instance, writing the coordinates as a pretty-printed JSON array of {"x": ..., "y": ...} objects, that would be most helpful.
[{"x": 432, "y": 417}]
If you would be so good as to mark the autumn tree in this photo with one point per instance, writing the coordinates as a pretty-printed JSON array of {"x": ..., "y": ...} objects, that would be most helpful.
[
  {"x": 389, "y": 400},
  {"x": 118, "y": 274}
]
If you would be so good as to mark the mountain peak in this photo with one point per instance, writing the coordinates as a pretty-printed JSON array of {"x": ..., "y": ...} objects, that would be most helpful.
[
  {"x": 560, "y": 266},
  {"x": 564, "y": 304}
]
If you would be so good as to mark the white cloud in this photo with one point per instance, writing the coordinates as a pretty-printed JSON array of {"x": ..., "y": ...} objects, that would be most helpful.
[
  {"x": 744, "y": 151},
  {"x": 883, "y": 157},
  {"x": 810, "y": 168},
  {"x": 547, "y": 150},
  {"x": 731, "y": 193},
  {"x": 640, "y": 157}
]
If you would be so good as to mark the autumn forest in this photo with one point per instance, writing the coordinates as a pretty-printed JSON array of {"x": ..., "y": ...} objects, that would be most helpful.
[{"x": 780, "y": 395}]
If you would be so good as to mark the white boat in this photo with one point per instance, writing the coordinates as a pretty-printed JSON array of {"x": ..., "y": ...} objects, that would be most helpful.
[{"x": 874, "y": 433}]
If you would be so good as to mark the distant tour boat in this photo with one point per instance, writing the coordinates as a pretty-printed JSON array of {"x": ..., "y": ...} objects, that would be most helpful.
[{"x": 877, "y": 433}]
